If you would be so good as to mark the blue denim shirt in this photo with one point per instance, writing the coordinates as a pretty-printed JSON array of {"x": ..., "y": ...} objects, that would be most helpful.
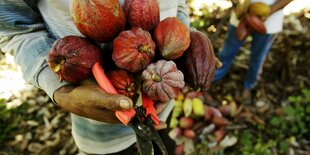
[{"x": 29, "y": 32}]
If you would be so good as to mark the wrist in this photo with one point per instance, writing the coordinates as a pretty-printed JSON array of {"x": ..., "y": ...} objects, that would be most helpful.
[{"x": 59, "y": 95}]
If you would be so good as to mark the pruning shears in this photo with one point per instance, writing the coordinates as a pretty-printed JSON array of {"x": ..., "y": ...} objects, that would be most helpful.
[{"x": 140, "y": 118}]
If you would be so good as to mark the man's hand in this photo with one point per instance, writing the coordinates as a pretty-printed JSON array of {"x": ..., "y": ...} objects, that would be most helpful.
[
  {"x": 242, "y": 8},
  {"x": 88, "y": 100}
]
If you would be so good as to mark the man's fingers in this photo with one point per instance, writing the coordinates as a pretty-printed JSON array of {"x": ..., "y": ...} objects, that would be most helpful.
[
  {"x": 93, "y": 96},
  {"x": 102, "y": 115},
  {"x": 160, "y": 107},
  {"x": 113, "y": 101},
  {"x": 161, "y": 125}
]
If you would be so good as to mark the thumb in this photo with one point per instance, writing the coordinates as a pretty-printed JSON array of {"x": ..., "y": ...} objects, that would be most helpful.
[{"x": 114, "y": 101}]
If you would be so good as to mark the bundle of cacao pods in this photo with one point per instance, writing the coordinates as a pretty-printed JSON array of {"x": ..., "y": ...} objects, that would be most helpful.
[
  {"x": 252, "y": 19},
  {"x": 193, "y": 120},
  {"x": 165, "y": 54}
]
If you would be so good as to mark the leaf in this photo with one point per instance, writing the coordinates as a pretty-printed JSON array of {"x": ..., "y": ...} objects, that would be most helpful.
[
  {"x": 276, "y": 121},
  {"x": 308, "y": 109},
  {"x": 283, "y": 146},
  {"x": 289, "y": 110}
]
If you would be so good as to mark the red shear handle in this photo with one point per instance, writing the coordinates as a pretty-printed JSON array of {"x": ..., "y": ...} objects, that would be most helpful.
[
  {"x": 105, "y": 84},
  {"x": 148, "y": 104}
]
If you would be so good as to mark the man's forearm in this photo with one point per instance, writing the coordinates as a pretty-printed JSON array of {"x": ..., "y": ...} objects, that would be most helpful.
[{"x": 279, "y": 4}]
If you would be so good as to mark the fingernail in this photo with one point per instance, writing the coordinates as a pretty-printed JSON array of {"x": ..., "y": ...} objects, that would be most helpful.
[{"x": 125, "y": 104}]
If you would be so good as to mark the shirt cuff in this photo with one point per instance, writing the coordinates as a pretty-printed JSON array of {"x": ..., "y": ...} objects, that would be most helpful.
[{"x": 50, "y": 82}]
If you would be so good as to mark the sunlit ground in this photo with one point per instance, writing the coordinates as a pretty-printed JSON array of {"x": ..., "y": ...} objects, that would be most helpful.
[{"x": 12, "y": 83}]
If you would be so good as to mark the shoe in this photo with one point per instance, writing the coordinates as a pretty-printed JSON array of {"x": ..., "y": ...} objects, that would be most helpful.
[{"x": 246, "y": 97}]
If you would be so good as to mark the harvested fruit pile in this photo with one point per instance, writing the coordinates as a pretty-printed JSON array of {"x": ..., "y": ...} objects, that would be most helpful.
[
  {"x": 160, "y": 56},
  {"x": 194, "y": 121},
  {"x": 165, "y": 54}
]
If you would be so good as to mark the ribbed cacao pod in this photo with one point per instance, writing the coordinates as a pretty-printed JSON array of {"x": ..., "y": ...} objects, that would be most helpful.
[
  {"x": 97, "y": 19},
  {"x": 242, "y": 31},
  {"x": 255, "y": 23},
  {"x": 72, "y": 57},
  {"x": 133, "y": 49},
  {"x": 162, "y": 80},
  {"x": 198, "y": 63},
  {"x": 123, "y": 82},
  {"x": 144, "y": 14},
  {"x": 260, "y": 9},
  {"x": 172, "y": 38}
]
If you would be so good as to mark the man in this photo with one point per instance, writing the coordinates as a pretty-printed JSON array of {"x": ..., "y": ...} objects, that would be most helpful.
[
  {"x": 261, "y": 44},
  {"x": 28, "y": 28}
]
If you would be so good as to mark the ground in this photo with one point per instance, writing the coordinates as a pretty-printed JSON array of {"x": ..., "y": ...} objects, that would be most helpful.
[{"x": 277, "y": 122}]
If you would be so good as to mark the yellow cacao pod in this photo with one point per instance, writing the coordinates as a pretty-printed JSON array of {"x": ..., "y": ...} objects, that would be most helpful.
[
  {"x": 180, "y": 97},
  {"x": 242, "y": 8},
  {"x": 260, "y": 9},
  {"x": 174, "y": 123},
  {"x": 198, "y": 107},
  {"x": 187, "y": 107},
  {"x": 178, "y": 104},
  {"x": 177, "y": 111}
]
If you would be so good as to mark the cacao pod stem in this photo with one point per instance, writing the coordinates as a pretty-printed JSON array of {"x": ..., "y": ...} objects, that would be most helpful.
[
  {"x": 156, "y": 77},
  {"x": 60, "y": 60},
  {"x": 144, "y": 48}
]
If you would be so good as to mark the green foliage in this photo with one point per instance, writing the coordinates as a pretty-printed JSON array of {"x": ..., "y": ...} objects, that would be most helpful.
[
  {"x": 252, "y": 144},
  {"x": 295, "y": 118}
]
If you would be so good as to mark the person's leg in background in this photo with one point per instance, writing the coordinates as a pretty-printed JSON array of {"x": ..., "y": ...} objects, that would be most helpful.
[
  {"x": 228, "y": 53},
  {"x": 260, "y": 47}
]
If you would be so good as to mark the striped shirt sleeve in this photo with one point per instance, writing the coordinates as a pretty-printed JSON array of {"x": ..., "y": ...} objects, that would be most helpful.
[
  {"x": 23, "y": 34},
  {"x": 183, "y": 12}
]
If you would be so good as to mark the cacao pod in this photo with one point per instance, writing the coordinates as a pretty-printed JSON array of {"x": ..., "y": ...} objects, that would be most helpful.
[
  {"x": 242, "y": 8},
  {"x": 242, "y": 31},
  {"x": 144, "y": 14},
  {"x": 187, "y": 107},
  {"x": 72, "y": 57},
  {"x": 123, "y": 82},
  {"x": 255, "y": 23},
  {"x": 172, "y": 38},
  {"x": 198, "y": 107},
  {"x": 260, "y": 9},
  {"x": 162, "y": 80},
  {"x": 133, "y": 49},
  {"x": 98, "y": 20},
  {"x": 189, "y": 133},
  {"x": 198, "y": 63}
]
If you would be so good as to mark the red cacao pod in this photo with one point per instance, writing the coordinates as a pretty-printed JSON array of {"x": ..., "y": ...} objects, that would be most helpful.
[
  {"x": 97, "y": 19},
  {"x": 162, "y": 80},
  {"x": 172, "y": 38},
  {"x": 242, "y": 31},
  {"x": 144, "y": 14},
  {"x": 186, "y": 122},
  {"x": 133, "y": 50},
  {"x": 189, "y": 133},
  {"x": 72, "y": 57},
  {"x": 199, "y": 61},
  {"x": 255, "y": 23},
  {"x": 123, "y": 82}
]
